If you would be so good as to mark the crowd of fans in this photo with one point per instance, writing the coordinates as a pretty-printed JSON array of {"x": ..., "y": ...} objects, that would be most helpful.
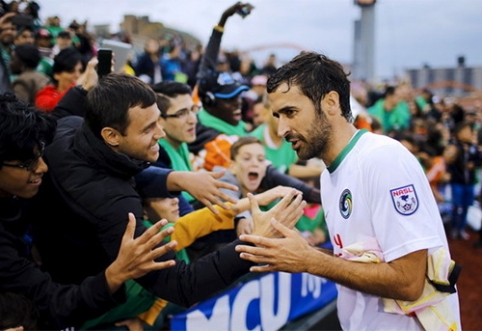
[
  {"x": 163, "y": 58},
  {"x": 216, "y": 117}
]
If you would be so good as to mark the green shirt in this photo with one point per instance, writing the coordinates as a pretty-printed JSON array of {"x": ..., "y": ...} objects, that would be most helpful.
[
  {"x": 395, "y": 120},
  {"x": 45, "y": 66}
]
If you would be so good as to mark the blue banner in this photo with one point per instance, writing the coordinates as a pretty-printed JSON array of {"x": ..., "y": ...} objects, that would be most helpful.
[{"x": 264, "y": 303}]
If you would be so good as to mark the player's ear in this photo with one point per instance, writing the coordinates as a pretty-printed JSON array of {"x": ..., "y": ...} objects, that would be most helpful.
[{"x": 331, "y": 103}]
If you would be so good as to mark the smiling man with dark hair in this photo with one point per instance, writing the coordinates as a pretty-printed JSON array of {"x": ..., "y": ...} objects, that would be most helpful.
[{"x": 22, "y": 169}]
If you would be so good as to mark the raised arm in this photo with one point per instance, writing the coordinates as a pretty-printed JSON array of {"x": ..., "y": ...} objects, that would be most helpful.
[{"x": 210, "y": 57}]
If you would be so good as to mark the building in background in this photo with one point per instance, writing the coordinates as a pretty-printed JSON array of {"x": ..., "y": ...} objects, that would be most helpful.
[
  {"x": 457, "y": 81},
  {"x": 137, "y": 29}
]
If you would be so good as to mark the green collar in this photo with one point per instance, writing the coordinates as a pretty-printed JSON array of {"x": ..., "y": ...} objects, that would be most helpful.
[{"x": 346, "y": 150}]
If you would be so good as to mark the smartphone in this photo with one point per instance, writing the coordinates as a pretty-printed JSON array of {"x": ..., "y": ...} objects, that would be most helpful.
[
  {"x": 104, "y": 67},
  {"x": 120, "y": 52},
  {"x": 22, "y": 20},
  {"x": 244, "y": 10}
]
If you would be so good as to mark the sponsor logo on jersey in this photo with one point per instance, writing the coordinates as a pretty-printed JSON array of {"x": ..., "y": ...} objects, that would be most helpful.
[
  {"x": 405, "y": 199},
  {"x": 346, "y": 203}
]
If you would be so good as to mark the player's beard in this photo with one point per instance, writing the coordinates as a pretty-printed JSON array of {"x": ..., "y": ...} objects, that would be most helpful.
[{"x": 317, "y": 139}]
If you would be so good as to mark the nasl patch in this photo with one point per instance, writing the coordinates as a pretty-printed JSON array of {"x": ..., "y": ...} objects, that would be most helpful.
[{"x": 405, "y": 199}]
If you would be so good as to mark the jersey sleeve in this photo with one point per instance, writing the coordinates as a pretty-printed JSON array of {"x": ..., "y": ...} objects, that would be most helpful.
[{"x": 403, "y": 209}]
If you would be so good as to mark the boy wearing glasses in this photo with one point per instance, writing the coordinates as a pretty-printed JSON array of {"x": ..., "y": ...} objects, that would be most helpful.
[{"x": 178, "y": 118}]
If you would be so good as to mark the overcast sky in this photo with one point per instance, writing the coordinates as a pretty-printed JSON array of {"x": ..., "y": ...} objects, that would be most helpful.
[{"x": 409, "y": 33}]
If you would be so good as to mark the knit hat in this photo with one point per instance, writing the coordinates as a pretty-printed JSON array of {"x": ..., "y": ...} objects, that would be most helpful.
[{"x": 28, "y": 54}]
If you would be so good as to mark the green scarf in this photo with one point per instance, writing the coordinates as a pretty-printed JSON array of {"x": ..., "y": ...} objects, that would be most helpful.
[
  {"x": 218, "y": 124},
  {"x": 179, "y": 161}
]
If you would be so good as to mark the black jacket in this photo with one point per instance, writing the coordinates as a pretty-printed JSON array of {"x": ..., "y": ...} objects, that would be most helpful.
[
  {"x": 86, "y": 197},
  {"x": 60, "y": 306},
  {"x": 459, "y": 171}
]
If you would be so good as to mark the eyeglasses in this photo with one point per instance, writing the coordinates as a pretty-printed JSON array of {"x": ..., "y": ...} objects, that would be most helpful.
[
  {"x": 181, "y": 113},
  {"x": 31, "y": 164}
]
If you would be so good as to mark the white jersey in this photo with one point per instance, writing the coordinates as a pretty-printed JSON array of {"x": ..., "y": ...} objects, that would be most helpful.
[{"x": 377, "y": 189}]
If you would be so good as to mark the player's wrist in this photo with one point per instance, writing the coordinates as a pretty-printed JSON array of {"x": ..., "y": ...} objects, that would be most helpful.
[{"x": 219, "y": 28}]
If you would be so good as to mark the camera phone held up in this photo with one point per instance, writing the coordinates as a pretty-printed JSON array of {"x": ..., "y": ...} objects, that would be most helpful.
[{"x": 104, "y": 67}]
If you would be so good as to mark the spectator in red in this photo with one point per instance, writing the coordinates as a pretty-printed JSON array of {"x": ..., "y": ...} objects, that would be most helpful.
[{"x": 65, "y": 73}]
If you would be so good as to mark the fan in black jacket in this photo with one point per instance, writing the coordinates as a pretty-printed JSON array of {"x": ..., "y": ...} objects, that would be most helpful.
[
  {"x": 90, "y": 184},
  {"x": 24, "y": 131}
]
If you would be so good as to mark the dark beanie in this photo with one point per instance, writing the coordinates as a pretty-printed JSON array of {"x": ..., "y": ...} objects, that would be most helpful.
[{"x": 28, "y": 54}]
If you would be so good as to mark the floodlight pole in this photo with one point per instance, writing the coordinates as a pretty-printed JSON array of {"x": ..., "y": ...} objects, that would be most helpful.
[{"x": 364, "y": 42}]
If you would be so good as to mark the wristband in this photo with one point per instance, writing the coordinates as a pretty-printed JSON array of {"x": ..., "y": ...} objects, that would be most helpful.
[{"x": 219, "y": 28}]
